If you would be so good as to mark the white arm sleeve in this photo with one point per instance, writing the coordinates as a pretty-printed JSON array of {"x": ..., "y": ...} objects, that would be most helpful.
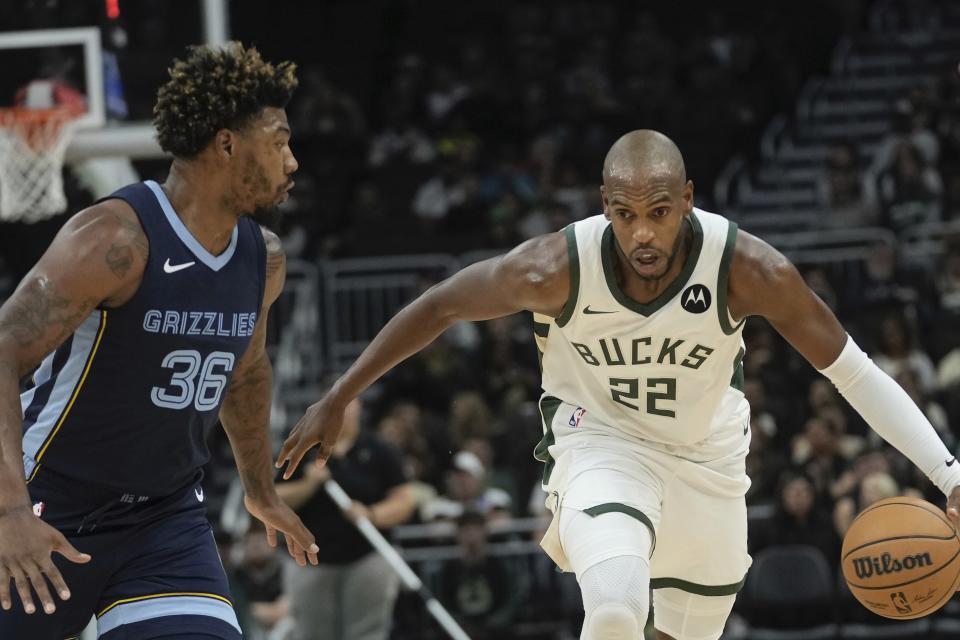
[{"x": 892, "y": 414}]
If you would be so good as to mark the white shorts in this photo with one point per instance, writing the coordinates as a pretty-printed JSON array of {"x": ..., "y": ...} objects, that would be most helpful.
[{"x": 690, "y": 497}]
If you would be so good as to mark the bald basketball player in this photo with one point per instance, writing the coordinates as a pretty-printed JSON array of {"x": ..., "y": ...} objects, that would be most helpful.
[{"x": 638, "y": 314}]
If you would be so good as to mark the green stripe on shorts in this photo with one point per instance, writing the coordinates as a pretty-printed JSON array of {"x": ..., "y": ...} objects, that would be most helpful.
[
  {"x": 618, "y": 507},
  {"x": 697, "y": 589}
]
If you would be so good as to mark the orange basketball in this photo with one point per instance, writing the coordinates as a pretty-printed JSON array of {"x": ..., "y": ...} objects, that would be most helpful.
[{"x": 901, "y": 558}]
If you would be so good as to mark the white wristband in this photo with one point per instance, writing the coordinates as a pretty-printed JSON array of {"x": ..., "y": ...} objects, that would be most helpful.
[{"x": 890, "y": 412}]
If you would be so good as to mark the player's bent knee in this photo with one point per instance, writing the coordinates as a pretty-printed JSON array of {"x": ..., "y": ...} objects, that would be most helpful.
[
  {"x": 613, "y": 621},
  {"x": 616, "y": 598}
]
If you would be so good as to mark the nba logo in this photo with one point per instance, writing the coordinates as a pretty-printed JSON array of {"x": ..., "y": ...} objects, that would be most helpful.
[
  {"x": 900, "y": 602},
  {"x": 39, "y": 508},
  {"x": 576, "y": 416}
]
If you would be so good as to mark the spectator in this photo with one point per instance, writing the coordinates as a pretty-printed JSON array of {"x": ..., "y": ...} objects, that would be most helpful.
[
  {"x": 897, "y": 350},
  {"x": 817, "y": 451},
  {"x": 321, "y": 109},
  {"x": 259, "y": 576},
  {"x": 468, "y": 490},
  {"x": 948, "y": 279},
  {"x": 910, "y": 189},
  {"x": 948, "y": 376},
  {"x": 470, "y": 417},
  {"x": 873, "y": 487},
  {"x": 350, "y": 595},
  {"x": 799, "y": 519},
  {"x": 845, "y": 198},
  {"x": 440, "y": 195},
  {"x": 950, "y": 158},
  {"x": 418, "y": 465},
  {"x": 760, "y": 416},
  {"x": 445, "y": 92},
  {"x": 479, "y": 589},
  {"x": 871, "y": 460},
  {"x": 883, "y": 284},
  {"x": 764, "y": 463},
  {"x": 399, "y": 142},
  {"x": 943, "y": 334},
  {"x": 575, "y": 192}
]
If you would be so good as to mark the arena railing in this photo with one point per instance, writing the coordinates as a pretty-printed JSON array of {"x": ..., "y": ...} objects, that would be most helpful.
[{"x": 925, "y": 244}]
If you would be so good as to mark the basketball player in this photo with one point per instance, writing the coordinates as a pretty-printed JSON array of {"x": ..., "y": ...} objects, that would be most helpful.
[
  {"x": 147, "y": 318},
  {"x": 638, "y": 316}
]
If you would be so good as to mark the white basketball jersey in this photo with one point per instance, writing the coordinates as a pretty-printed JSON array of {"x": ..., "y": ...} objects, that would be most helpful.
[{"x": 666, "y": 371}]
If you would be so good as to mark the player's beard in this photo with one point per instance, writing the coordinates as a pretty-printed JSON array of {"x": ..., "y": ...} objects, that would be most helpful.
[{"x": 267, "y": 215}]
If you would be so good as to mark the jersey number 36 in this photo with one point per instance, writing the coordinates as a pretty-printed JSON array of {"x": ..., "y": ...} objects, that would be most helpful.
[{"x": 195, "y": 380}]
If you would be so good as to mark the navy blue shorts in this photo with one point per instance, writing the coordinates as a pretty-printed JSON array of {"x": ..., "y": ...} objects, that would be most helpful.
[{"x": 154, "y": 573}]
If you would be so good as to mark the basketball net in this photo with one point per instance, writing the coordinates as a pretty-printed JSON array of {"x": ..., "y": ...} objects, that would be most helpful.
[{"x": 32, "y": 146}]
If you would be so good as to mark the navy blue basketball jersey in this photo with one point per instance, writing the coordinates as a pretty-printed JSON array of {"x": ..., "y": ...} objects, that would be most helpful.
[{"x": 127, "y": 401}]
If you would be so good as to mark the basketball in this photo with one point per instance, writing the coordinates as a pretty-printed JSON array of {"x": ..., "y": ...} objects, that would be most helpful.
[{"x": 901, "y": 558}]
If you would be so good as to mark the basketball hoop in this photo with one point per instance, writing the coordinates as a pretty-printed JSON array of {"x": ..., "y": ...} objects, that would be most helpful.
[{"x": 32, "y": 147}]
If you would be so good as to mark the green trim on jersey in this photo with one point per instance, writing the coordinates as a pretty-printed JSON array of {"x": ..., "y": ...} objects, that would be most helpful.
[
  {"x": 548, "y": 409},
  {"x": 619, "y": 507},
  {"x": 608, "y": 256},
  {"x": 723, "y": 278},
  {"x": 697, "y": 589},
  {"x": 737, "y": 380},
  {"x": 541, "y": 329},
  {"x": 540, "y": 332},
  {"x": 574, "y": 257}
]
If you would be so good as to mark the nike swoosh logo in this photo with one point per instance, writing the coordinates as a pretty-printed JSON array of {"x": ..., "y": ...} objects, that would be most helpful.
[
  {"x": 173, "y": 268},
  {"x": 590, "y": 311},
  {"x": 951, "y": 461},
  {"x": 199, "y": 494}
]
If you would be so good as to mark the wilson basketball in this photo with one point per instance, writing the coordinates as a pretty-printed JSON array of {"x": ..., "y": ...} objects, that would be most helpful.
[{"x": 901, "y": 558}]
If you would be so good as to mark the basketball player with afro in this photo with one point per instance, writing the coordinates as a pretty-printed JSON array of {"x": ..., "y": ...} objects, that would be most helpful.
[
  {"x": 142, "y": 324},
  {"x": 638, "y": 315}
]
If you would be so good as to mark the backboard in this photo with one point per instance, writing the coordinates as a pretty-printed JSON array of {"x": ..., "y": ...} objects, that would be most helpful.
[{"x": 86, "y": 37}]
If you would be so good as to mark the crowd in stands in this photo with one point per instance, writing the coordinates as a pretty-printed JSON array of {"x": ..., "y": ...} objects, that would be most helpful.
[{"x": 914, "y": 176}]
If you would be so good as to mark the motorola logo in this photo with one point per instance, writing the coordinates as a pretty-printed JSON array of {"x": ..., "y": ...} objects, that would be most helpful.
[{"x": 695, "y": 298}]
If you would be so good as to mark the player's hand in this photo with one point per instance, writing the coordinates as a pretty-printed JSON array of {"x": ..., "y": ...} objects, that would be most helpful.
[
  {"x": 277, "y": 516},
  {"x": 26, "y": 544},
  {"x": 320, "y": 425},
  {"x": 953, "y": 507}
]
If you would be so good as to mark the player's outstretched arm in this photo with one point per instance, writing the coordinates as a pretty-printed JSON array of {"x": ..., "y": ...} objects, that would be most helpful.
[
  {"x": 98, "y": 258},
  {"x": 763, "y": 282},
  {"x": 245, "y": 415},
  {"x": 534, "y": 276}
]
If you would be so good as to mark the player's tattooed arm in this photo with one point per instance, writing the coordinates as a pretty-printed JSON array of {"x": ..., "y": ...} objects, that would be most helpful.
[
  {"x": 246, "y": 408},
  {"x": 130, "y": 250},
  {"x": 99, "y": 255},
  {"x": 246, "y": 419}
]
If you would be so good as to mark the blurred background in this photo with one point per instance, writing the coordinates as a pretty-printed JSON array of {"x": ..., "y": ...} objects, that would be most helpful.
[{"x": 432, "y": 134}]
